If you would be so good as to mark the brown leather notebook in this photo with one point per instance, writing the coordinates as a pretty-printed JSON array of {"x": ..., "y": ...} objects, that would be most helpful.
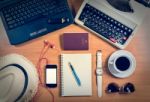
[{"x": 75, "y": 41}]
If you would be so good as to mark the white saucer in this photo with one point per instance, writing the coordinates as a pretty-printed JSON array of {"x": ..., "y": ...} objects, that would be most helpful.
[
  {"x": 18, "y": 79},
  {"x": 126, "y": 73}
]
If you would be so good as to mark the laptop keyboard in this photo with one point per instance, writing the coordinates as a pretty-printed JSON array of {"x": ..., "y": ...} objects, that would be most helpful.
[
  {"x": 23, "y": 12},
  {"x": 104, "y": 25}
]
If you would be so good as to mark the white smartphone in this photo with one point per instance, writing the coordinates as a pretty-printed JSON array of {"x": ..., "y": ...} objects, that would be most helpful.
[{"x": 51, "y": 76}]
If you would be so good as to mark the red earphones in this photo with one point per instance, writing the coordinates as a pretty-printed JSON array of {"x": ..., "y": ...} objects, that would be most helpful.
[
  {"x": 47, "y": 43},
  {"x": 46, "y": 47}
]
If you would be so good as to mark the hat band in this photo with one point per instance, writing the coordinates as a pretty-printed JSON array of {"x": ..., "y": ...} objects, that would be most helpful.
[{"x": 25, "y": 75}]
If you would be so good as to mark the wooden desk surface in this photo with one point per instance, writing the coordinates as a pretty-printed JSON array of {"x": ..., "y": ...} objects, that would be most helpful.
[{"x": 139, "y": 47}]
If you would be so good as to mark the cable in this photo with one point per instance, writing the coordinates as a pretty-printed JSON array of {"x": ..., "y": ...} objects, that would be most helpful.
[{"x": 44, "y": 50}]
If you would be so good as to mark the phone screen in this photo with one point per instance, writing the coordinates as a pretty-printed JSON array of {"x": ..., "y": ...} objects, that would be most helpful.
[{"x": 51, "y": 75}]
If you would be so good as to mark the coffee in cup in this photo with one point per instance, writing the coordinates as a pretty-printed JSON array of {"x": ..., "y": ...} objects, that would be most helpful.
[{"x": 122, "y": 63}]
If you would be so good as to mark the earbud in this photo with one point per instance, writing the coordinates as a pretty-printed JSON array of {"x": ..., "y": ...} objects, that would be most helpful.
[
  {"x": 47, "y": 43},
  {"x": 52, "y": 46}
]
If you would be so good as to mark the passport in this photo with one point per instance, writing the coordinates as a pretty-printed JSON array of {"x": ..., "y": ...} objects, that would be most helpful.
[{"x": 75, "y": 41}]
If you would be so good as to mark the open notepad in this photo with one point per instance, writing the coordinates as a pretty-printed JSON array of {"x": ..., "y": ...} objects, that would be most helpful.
[{"x": 83, "y": 68}]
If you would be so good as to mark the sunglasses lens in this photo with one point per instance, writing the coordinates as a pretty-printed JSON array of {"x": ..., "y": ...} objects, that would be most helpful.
[
  {"x": 112, "y": 88},
  {"x": 128, "y": 88}
]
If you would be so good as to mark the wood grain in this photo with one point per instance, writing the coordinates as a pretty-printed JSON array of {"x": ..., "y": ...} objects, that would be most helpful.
[{"x": 139, "y": 47}]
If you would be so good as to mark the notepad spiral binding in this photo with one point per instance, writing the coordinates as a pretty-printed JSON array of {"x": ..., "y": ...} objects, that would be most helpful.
[{"x": 62, "y": 78}]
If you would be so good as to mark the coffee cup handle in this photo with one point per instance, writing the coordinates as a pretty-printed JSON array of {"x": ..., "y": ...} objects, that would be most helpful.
[{"x": 111, "y": 62}]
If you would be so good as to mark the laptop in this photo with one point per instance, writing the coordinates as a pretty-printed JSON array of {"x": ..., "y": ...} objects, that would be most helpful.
[
  {"x": 24, "y": 20},
  {"x": 115, "y": 21}
]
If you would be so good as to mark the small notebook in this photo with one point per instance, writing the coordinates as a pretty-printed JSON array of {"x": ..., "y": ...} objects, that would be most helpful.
[
  {"x": 82, "y": 64},
  {"x": 75, "y": 41}
]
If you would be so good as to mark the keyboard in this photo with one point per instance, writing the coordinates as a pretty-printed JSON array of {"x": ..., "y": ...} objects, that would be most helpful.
[
  {"x": 104, "y": 25},
  {"x": 28, "y": 10}
]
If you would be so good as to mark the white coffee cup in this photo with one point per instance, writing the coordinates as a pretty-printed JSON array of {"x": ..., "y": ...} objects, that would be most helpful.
[
  {"x": 121, "y": 64},
  {"x": 116, "y": 68}
]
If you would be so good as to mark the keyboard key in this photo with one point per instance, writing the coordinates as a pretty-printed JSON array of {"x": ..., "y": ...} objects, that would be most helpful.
[
  {"x": 11, "y": 22},
  {"x": 113, "y": 40},
  {"x": 11, "y": 26},
  {"x": 9, "y": 19}
]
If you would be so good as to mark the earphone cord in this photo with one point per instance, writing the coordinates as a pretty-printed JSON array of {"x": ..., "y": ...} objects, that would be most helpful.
[{"x": 38, "y": 66}]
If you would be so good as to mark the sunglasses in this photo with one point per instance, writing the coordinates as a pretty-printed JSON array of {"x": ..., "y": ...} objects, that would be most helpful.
[{"x": 125, "y": 89}]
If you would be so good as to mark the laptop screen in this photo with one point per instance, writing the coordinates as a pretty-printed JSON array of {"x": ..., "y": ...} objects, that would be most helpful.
[{"x": 4, "y": 3}]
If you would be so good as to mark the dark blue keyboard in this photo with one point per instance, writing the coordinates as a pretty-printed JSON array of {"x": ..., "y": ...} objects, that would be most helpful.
[
  {"x": 28, "y": 10},
  {"x": 105, "y": 25}
]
